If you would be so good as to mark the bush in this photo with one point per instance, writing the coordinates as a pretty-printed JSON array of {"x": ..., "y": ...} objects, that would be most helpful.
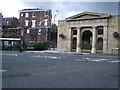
[{"x": 40, "y": 46}]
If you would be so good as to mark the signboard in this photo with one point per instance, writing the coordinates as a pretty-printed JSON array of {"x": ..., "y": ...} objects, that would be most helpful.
[
  {"x": 104, "y": 39},
  {"x": 68, "y": 38}
]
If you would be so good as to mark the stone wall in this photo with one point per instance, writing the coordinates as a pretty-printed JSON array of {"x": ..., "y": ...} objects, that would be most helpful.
[
  {"x": 112, "y": 42},
  {"x": 62, "y": 43},
  {"x": 110, "y": 25}
]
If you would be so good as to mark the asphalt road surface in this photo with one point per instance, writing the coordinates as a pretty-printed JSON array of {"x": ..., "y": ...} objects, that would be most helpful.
[{"x": 43, "y": 70}]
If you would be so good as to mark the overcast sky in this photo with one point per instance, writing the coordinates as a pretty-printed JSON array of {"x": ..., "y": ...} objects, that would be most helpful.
[{"x": 10, "y": 8}]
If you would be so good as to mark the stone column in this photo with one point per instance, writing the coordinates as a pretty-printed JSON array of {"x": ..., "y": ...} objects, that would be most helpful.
[
  {"x": 94, "y": 40},
  {"x": 70, "y": 39},
  {"x": 105, "y": 39},
  {"x": 78, "y": 49}
]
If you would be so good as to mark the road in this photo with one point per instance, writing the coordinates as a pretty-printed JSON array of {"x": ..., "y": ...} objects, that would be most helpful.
[{"x": 45, "y": 70}]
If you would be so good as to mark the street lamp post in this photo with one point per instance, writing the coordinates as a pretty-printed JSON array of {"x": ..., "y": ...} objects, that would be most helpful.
[
  {"x": 54, "y": 31},
  {"x": 54, "y": 39},
  {"x": 54, "y": 19}
]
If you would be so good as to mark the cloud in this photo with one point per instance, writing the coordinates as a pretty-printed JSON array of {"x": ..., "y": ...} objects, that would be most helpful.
[
  {"x": 72, "y": 13},
  {"x": 71, "y": 1},
  {"x": 10, "y": 8}
]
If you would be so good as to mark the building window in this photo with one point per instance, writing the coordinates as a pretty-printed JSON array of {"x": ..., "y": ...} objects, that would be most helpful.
[
  {"x": 28, "y": 31},
  {"x": 100, "y": 31},
  {"x": 27, "y": 15},
  {"x": 7, "y": 23},
  {"x": 33, "y": 23},
  {"x": 39, "y": 32},
  {"x": 46, "y": 13},
  {"x": 46, "y": 22},
  {"x": 21, "y": 15},
  {"x": 22, "y": 32},
  {"x": 40, "y": 23},
  {"x": 74, "y": 32},
  {"x": 33, "y": 14},
  {"x": 26, "y": 22}
]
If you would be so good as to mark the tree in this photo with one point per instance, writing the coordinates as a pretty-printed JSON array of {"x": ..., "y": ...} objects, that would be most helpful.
[
  {"x": 14, "y": 22},
  {"x": 54, "y": 28},
  {"x": 9, "y": 33},
  {"x": 53, "y": 36}
]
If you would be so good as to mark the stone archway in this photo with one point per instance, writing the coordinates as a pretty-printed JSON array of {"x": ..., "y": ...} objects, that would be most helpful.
[{"x": 87, "y": 41}]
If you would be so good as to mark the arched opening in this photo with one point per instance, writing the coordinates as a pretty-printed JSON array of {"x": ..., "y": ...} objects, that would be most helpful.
[
  {"x": 87, "y": 41},
  {"x": 100, "y": 44},
  {"x": 74, "y": 43}
]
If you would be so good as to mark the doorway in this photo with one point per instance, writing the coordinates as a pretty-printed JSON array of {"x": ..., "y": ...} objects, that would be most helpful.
[
  {"x": 100, "y": 44},
  {"x": 74, "y": 43},
  {"x": 87, "y": 41}
]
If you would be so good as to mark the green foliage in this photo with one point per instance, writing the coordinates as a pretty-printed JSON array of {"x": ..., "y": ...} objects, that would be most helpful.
[
  {"x": 40, "y": 46},
  {"x": 9, "y": 32},
  {"x": 54, "y": 28},
  {"x": 9, "y": 35}
]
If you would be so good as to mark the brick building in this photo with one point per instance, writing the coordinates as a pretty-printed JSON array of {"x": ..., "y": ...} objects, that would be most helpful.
[
  {"x": 11, "y": 22},
  {"x": 1, "y": 19},
  {"x": 10, "y": 27},
  {"x": 35, "y": 24},
  {"x": 89, "y": 32},
  {"x": 10, "y": 38}
]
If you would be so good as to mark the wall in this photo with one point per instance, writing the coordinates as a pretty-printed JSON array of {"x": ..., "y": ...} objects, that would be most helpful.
[
  {"x": 1, "y": 19},
  {"x": 39, "y": 17},
  {"x": 112, "y": 23},
  {"x": 112, "y": 42},
  {"x": 62, "y": 43}
]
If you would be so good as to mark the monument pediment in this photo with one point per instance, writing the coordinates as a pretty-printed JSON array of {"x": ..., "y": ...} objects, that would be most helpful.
[{"x": 88, "y": 15}]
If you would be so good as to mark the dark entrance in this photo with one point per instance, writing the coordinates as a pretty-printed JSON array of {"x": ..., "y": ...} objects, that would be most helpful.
[
  {"x": 100, "y": 44},
  {"x": 87, "y": 41},
  {"x": 74, "y": 43}
]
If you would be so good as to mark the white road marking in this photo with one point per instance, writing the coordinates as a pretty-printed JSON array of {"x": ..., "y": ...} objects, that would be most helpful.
[
  {"x": 44, "y": 56},
  {"x": 3, "y": 70},
  {"x": 85, "y": 53},
  {"x": 9, "y": 54},
  {"x": 87, "y": 58},
  {"x": 97, "y": 60},
  {"x": 115, "y": 61}
]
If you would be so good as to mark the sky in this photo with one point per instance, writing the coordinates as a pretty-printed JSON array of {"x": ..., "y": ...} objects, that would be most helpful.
[{"x": 62, "y": 9}]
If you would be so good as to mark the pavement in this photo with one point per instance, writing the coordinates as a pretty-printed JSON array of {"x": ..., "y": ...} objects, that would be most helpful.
[
  {"x": 55, "y": 52},
  {"x": 105, "y": 57},
  {"x": 75, "y": 53}
]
